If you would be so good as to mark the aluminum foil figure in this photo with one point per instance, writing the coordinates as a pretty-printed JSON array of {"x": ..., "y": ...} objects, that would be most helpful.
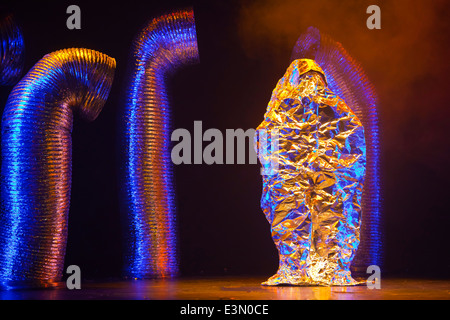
[
  {"x": 313, "y": 198},
  {"x": 36, "y": 154},
  {"x": 166, "y": 43},
  {"x": 12, "y": 51},
  {"x": 346, "y": 78}
]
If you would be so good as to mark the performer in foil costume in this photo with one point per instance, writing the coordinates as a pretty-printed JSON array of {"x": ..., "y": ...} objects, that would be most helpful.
[{"x": 312, "y": 198}]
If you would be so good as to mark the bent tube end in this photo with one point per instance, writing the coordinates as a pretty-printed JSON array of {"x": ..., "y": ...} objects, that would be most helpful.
[{"x": 89, "y": 74}]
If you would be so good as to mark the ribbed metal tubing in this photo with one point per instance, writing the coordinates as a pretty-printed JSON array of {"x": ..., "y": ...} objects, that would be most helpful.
[
  {"x": 36, "y": 161},
  {"x": 348, "y": 80},
  {"x": 12, "y": 51},
  {"x": 165, "y": 44}
]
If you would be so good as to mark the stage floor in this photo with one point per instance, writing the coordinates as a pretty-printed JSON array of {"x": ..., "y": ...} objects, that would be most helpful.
[{"x": 235, "y": 289}]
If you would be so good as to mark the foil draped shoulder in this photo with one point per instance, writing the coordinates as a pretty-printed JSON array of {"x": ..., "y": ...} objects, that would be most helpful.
[{"x": 313, "y": 198}]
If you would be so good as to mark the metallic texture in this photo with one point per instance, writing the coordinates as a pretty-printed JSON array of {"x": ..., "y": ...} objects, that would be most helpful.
[
  {"x": 313, "y": 199},
  {"x": 12, "y": 51},
  {"x": 36, "y": 161},
  {"x": 347, "y": 79},
  {"x": 165, "y": 44}
]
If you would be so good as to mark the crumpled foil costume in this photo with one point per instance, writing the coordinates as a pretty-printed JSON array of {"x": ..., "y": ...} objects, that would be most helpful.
[{"x": 312, "y": 198}]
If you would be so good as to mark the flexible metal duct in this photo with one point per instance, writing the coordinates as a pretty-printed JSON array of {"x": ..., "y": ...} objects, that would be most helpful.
[
  {"x": 165, "y": 44},
  {"x": 36, "y": 161},
  {"x": 348, "y": 80},
  {"x": 12, "y": 51}
]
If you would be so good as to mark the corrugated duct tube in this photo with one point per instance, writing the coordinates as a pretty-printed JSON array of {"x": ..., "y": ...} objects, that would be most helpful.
[
  {"x": 347, "y": 79},
  {"x": 36, "y": 161},
  {"x": 12, "y": 51},
  {"x": 164, "y": 45}
]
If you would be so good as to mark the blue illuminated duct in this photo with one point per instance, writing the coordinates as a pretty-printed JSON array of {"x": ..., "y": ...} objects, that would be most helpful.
[
  {"x": 12, "y": 51},
  {"x": 165, "y": 44},
  {"x": 36, "y": 154}
]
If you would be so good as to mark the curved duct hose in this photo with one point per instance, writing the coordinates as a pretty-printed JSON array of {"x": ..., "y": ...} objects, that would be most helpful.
[
  {"x": 12, "y": 51},
  {"x": 37, "y": 153},
  {"x": 347, "y": 79},
  {"x": 165, "y": 44}
]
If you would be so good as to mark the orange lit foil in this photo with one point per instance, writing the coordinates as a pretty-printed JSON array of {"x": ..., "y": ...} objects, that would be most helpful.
[
  {"x": 347, "y": 79},
  {"x": 312, "y": 199}
]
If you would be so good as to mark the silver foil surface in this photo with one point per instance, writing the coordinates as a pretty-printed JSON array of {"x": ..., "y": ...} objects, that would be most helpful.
[
  {"x": 312, "y": 195},
  {"x": 347, "y": 78},
  {"x": 36, "y": 168},
  {"x": 166, "y": 44}
]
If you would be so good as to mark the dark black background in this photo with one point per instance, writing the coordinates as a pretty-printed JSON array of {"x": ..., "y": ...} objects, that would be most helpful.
[{"x": 221, "y": 227}]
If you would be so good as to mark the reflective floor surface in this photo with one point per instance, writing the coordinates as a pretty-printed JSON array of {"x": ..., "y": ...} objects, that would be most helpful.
[{"x": 236, "y": 288}]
